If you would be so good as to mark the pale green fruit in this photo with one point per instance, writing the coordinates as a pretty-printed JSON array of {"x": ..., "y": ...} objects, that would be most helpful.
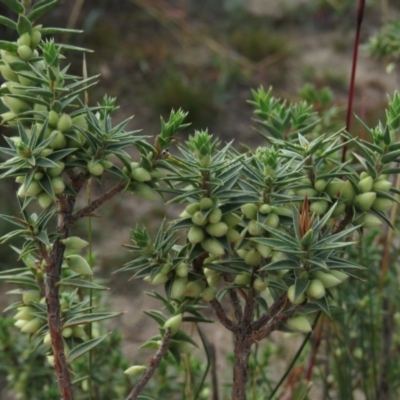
[
  {"x": 135, "y": 370},
  {"x": 44, "y": 200},
  {"x": 327, "y": 279},
  {"x": 252, "y": 258},
  {"x": 78, "y": 264},
  {"x": 192, "y": 208},
  {"x": 47, "y": 339},
  {"x": 232, "y": 235},
  {"x": 260, "y": 284},
  {"x": 25, "y": 52},
  {"x": 339, "y": 210},
  {"x": 106, "y": 164},
  {"x": 8, "y": 117},
  {"x": 80, "y": 121},
  {"x": 231, "y": 219},
  {"x": 334, "y": 187},
  {"x": 158, "y": 174},
  {"x": 194, "y": 288},
  {"x": 215, "y": 216},
  {"x": 205, "y": 161},
  {"x": 299, "y": 323},
  {"x": 20, "y": 323},
  {"x": 309, "y": 192},
  {"x": 382, "y": 185},
  {"x": 249, "y": 210},
  {"x": 166, "y": 268},
  {"x": 347, "y": 192},
  {"x": 263, "y": 249},
  {"x": 32, "y": 326},
  {"x": 78, "y": 331},
  {"x": 24, "y": 39},
  {"x": 24, "y": 313},
  {"x": 368, "y": 220},
  {"x": 319, "y": 207},
  {"x": 243, "y": 279},
  {"x": 196, "y": 234},
  {"x": 199, "y": 219},
  {"x": 33, "y": 189},
  {"x": 320, "y": 185},
  {"x": 67, "y": 332},
  {"x": 20, "y": 179},
  {"x": 15, "y": 105},
  {"x": 58, "y": 185},
  {"x": 364, "y": 201},
  {"x": 38, "y": 176},
  {"x": 213, "y": 280},
  {"x": 213, "y": 246},
  {"x": 206, "y": 204},
  {"x": 17, "y": 88},
  {"x": 56, "y": 171},
  {"x": 174, "y": 323},
  {"x": 182, "y": 270},
  {"x": 8, "y": 74},
  {"x": 74, "y": 243},
  {"x": 316, "y": 289},
  {"x": 30, "y": 295},
  {"x": 218, "y": 230},
  {"x": 242, "y": 253},
  {"x": 46, "y": 152},
  {"x": 59, "y": 140},
  {"x": 53, "y": 118},
  {"x": 141, "y": 175},
  {"x": 178, "y": 287},
  {"x": 95, "y": 168},
  {"x": 291, "y": 293},
  {"x": 9, "y": 58},
  {"x": 282, "y": 211},
  {"x": 339, "y": 275},
  {"x": 272, "y": 220},
  {"x": 36, "y": 36},
  {"x": 254, "y": 228},
  {"x": 381, "y": 204},
  {"x": 26, "y": 81},
  {"x": 265, "y": 209},
  {"x": 208, "y": 271},
  {"x": 366, "y": 184},
  {"x": 145, "y": 191},
  {"x": 64, "y": 123},
  {"x": 159, "y": 279},
  {"x": 209, "y": 293},
  {"x": 363, "y": 175}
]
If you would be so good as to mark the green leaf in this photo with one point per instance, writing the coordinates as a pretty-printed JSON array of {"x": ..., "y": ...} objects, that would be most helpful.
[
  {"x": 15, "y": 5},
  {"x": 90, "y": 318},
  {"x": 23, "y": 25},
  {"x": 8, "y": 22},
  {"x": 323, "y": 305},
  {"x": 158, "y": 316},
  {"x": 8, "y": 46},
  {"x": 300, "y": 286},
  {"x": 39, "y": 11},
  {"x": 84, "y": 348},
  {"x": 79, "y": 283},
  {"x": 281, "y": 264}
]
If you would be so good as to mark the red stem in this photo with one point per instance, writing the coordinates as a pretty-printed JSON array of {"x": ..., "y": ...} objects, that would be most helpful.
[{"x": 360, "y": 15}]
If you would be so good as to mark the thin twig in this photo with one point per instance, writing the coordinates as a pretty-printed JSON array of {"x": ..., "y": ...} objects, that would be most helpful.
[
  {"x": 221, "y": 315},
  {"x": 360, "y": 15},
  {"x": 248, "y": 314},
  {"x": 236, "y": 305},
  {"x": 273, "y": 310},
  {"x": 153, "y": 365},
  {"x": 95, "y": 204}
]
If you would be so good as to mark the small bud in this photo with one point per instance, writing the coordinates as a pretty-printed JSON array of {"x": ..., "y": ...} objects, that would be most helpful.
[
  {"x": 78, "y": 264},
  {"x": 199, "y": 219},
  {"x": 316, "y": 289},
  {"x": 243, "y": 279},
  {"x": 74, "y": 243},
  {"x": 347, "y": 192},
  {"x": 182, "y": 270},
  {"x": 218, "y": 230},
  {"x": 58, "y": 185},
  {"x": 59, "y": 140},
  {"x": 206, "y": 204},
  {"x": 307, "y": 239},
  {"x": 30, "y": 295},
  {"x": 295, "y": 300},
  {"x": 254, "y": 228},
  {"x": 141, "y": 175},
  {"x": 319, "y": 207},
  {"x": 174, "y": 323},
  {"x": 249, "y": 210},
  {"x": 339, "y": 275},
  {"x": 53, "y": 118},
  {"x": 36, "y": 36},
  {"x": 364, "y": 201},
  {"x": 299, "y": 323},
  {"x": 44, "y": 200},
  {"x": 64, "y": 123},
  {"x": 265, "y": 209},
  {"x": 231, "y": 219},
  {"x": 213, "y": 246},
  {"x": 47, "y": 339},
  {"x": 232, "y": 235},
  {"x": 272, "y": 220},
  {"x": 192, "y": 208},
  {"x": 135, "y": 370},
  {"x": 381, "y": 204},
  {"x": 260, "y": 284},
  {"x": 166, "y": 268},
  {"x": 24, "y": 39},
  {"x": 95, "y": 168},
  {"x": 56, "y": 171},
  {"x": 33, "y": 189},
  {"x": 366, "y": 184},
  {"x": 196, "y": 234},
  {"x": 145, "y": 191},
  {"x": 252, "y": 258},
  {"x": 178, "y": 287},
  {"x": 67, "y": 332},
  {"x": 382, "y": 185},
  {"x": 32, "y": 326},
  {"x": 194, "y": 288},
  {"x": 209, "y": 293},
  {"x": 334, "y": 187},
  {"x": 263, "y": 249},
  {"x": 320, "y": 185},
  {"x": 25, "y": 52},
  {"x": 327, "y": 279},
  {"x": 215, "y": 216},
  {"x": 368, "y": 220}
]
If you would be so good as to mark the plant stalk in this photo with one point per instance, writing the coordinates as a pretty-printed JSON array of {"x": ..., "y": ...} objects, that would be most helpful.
[{"x": 242, "y": 347}]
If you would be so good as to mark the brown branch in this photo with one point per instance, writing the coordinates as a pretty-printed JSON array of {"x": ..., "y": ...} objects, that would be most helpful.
[
  {"x": 273, "y": 324},
  {"x": 95, "y": 204},
  {"x": 248, "y": 314},
  {"x": 236, "y": 305},
  {"x": 221, "y": 315},
  {"x": 65, "y": 205},
  {"x": 274, "y": 309},
  {"x": 153, "y": 365}
]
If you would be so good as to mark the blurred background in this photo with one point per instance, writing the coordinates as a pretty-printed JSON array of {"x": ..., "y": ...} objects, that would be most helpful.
[{"x": 205, "y": 57}]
